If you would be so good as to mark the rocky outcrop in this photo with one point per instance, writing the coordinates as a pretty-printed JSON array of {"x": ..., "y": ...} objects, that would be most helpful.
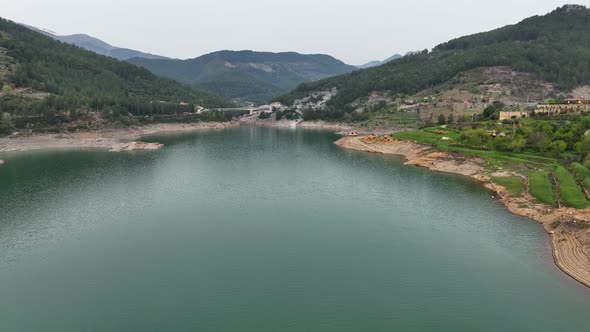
[
  {"x": 315, "y": 101},
  {"x": 136, "y": 146}
]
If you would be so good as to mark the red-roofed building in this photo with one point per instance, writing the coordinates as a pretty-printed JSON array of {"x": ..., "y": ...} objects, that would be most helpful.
[{"x": 574, "y": 101}]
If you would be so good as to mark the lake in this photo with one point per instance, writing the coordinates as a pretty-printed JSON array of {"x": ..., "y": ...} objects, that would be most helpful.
[{"x": 266, "y": 229}]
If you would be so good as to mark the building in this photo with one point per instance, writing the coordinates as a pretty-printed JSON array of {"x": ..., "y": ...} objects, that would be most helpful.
[
  {"x": 551, "y": 109},
  {"x": 571, "y": 105},
  {"x": 507, "y": 115},
  {"x": 575, "y": 101}
]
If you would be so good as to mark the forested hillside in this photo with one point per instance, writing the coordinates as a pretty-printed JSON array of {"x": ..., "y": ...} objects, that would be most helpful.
[
  {"x": 248, "y": 75},
  {"x": 556, "y": 47},
  {"x": 42, "y": 77}
]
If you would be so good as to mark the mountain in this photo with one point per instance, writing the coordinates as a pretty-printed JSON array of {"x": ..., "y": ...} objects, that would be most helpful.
[
  {"x": 248, "y": 75},
  {"x": 379, "y": 63},
  {"x": 42, "y": 78},
  {"x": 555, "y": 48},
  {"x": 96, "y": 45}
]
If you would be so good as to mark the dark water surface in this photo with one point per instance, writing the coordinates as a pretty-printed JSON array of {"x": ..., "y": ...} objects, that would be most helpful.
[{"x": 264, "y": 229}]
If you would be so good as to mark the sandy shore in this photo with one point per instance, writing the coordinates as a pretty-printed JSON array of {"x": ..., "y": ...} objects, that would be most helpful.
[
  {"x": 112, "y": 139},
  {"x": 570, "y": 245}
]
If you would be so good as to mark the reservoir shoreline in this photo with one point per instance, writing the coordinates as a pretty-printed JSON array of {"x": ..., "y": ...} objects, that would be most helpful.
[
  {"x": 116, "y": 140},
  {"x": 570, "y": 254}
]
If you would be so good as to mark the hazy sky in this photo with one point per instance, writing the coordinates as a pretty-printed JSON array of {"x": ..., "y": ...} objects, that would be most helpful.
[{"x": 353, "y": 31}]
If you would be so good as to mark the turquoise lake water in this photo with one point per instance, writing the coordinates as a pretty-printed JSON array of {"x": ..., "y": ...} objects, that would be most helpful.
[{"x": 266, "y": 229}]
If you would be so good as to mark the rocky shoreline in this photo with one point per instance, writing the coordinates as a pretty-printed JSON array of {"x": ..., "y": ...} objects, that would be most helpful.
[
  {"x": 128, "y": 139},
  {"x": 296, "y": 124},
  {"x": 137, "y": 146},
  {"x": 337, "y": 127},
  {"x": 115, "y": 140},
  {"x": 570, "y": 245}
]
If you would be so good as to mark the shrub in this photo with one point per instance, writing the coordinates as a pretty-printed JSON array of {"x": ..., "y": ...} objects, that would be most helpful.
[
  {"x": 475, "y": 137},
  {"x": 5, "y": 123},
  {"x": 6, "y": 88},
  {"x": 558, "y": 147}
]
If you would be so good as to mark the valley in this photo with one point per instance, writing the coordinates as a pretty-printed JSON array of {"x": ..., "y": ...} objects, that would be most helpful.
[
  {"x": 247, "y": 76},
  {"x": 286, "y": 168}
]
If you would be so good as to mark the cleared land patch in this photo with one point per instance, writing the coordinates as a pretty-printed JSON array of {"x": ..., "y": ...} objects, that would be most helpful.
[{"x": 568, "y": 189}]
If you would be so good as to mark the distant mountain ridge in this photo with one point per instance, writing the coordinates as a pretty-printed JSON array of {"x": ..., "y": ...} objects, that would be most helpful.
[
  {"x": 45, "y": 84},
  {"x": 245, "y": 76},
  {"x": 96, "y": 45},
  {"x": 379, "y": 63},
  {"x": 248, "y": 75}
]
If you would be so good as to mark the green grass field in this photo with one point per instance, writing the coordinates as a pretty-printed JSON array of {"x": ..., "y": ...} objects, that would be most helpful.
[
  {"x": 568, "y": 189},
  {"x": 580, "y": 170},
  {"x": 513, "y": 184},
  {"x": 433, "y": 135},
  {"x": 541, "y": 187},
  {"x": 540, "y": 183},
  {"x": 419, "y": 136},
  {"x": 582, "y": 173}
]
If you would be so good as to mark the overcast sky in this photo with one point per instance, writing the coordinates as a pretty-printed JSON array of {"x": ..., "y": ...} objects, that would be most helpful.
[{"x": 353, "y": 31}]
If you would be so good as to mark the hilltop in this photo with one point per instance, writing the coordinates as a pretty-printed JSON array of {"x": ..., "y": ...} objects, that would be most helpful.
[
  {"x": 549, "y": 53},
  {"x": 46, "y": 83},
  {"x": 376, "y": 63},
  {"x": 96, "y": 45},
  {"x": 248, "y": 76}
]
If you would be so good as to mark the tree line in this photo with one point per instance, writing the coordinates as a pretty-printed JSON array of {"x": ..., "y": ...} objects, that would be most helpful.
[
  {"x": 73, "y": 79},
  {"x": 556, "y": 47}
]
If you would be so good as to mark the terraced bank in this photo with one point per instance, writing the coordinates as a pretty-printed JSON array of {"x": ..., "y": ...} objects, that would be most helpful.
[{"x": 535, "y": 196}]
